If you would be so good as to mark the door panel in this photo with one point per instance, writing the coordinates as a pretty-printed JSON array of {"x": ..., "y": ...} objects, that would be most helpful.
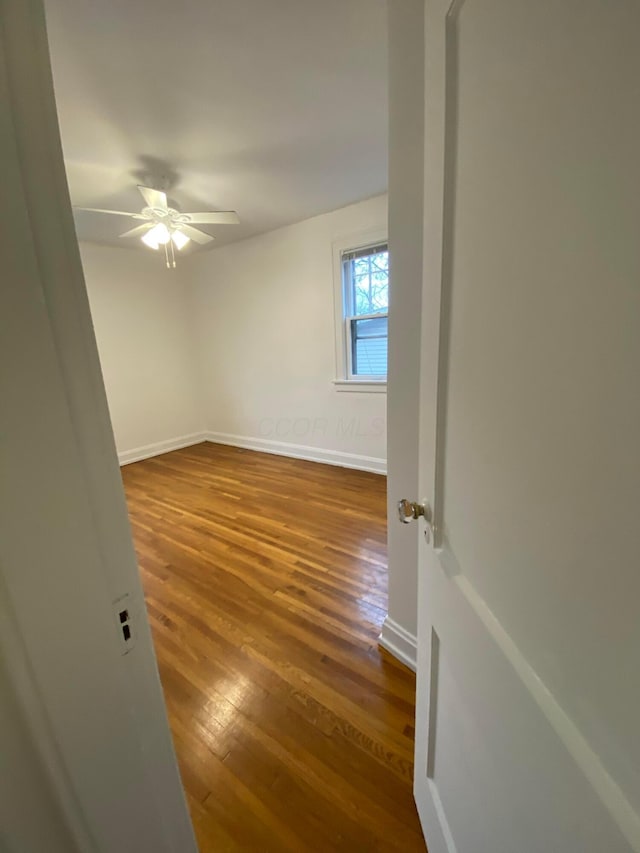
[
  {"x": 530, "y": 417},
  {"x": 505, "y": 780}
]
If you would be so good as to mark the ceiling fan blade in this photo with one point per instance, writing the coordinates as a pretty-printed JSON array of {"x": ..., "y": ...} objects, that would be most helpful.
[
  {"x": 138, "y": 230},
  {"x": 154, "y": 198},
  {"x": 214, "y": 217},
  {"x": 114, "y": 212},
  {"x": 195, "y": 234}
]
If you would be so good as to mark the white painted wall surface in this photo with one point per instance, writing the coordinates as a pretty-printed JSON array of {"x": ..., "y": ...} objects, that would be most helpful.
[
  {"x": 264, "y": 319},
  {"x": 145, "y": 341},
  {"x": 406, "y": 159}
]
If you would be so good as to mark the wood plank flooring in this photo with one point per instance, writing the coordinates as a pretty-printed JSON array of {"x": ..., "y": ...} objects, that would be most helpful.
[{"x": 265, "y": 582}]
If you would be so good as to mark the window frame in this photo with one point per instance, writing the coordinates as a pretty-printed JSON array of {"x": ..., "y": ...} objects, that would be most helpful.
[{"x": 345, "y": 379}]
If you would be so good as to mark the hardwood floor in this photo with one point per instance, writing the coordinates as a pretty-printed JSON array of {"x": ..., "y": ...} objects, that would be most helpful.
[{"x": 265, "y": 582}]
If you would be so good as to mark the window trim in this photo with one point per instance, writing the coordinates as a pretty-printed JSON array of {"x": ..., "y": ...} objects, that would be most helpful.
[{"x": 344, "y": 378}]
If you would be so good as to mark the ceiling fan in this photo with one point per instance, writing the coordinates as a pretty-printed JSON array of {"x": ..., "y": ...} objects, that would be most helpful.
[{"x": 164, "y": 226}]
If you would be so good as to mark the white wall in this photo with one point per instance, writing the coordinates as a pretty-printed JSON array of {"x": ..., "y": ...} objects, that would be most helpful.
[
  {"x": 145, "y": 341},
  {"x": 406, "y": 159},
  {"x": 264, "y": 313}
]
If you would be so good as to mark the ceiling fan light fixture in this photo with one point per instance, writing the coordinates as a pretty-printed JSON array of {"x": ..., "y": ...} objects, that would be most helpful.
[
  {"x": 165, "y": 226},
  {"x": 180, "y": 240},
  {"x": 160, "y": 233},
  {"x": 157, "y": 236},
  {"x": 149, "y": 239}
]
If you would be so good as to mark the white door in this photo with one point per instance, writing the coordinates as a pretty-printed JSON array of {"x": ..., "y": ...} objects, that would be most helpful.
[{"x": 528, "y": 712}]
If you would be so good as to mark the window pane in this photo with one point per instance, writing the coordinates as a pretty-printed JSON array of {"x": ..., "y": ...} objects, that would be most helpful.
[
  {"x": 370, "y": 283},
  {"x": 369, "y": 341}
]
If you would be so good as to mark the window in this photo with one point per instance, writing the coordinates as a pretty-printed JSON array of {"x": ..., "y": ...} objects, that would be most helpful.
[{"x": 365, "y": 304}]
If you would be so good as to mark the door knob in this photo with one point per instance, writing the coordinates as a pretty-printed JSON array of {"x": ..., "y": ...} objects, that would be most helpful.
[{"x": 408, "y": 511}]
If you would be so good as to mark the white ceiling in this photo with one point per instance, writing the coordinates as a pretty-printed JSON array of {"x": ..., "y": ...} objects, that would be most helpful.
[{"x": 274, "y": 108}]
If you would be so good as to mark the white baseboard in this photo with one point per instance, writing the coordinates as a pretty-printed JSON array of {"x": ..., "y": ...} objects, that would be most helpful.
[
  {"x": 301, "y": 451},
  {"x": 137, "y": 453},
  {"x": 264, "y": 445},
  {"x": 398, "y": 642}
]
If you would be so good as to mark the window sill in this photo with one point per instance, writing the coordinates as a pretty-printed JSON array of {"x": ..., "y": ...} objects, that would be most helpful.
[{"x": 366, "y": 386}]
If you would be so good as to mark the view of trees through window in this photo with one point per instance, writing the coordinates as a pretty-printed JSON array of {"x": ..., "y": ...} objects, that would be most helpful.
[
  {"x": 370, "y": 282},
  {"x": 366, "y": 306}
]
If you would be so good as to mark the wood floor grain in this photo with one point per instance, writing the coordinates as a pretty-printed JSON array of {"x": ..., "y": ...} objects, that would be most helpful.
[{"x": 265, "y": 582}]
